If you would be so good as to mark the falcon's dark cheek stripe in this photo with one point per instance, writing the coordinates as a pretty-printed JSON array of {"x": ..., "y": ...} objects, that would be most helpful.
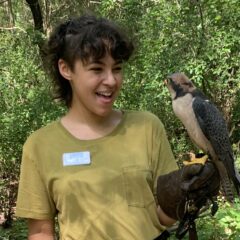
[{"x": 178, "y": 89}]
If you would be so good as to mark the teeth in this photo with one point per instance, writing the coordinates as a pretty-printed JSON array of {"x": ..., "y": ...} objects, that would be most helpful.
[{"x": 105, "y": 94}]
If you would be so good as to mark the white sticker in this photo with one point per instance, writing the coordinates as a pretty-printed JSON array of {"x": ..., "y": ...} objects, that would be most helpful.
[{"x": 76, "y": 158}]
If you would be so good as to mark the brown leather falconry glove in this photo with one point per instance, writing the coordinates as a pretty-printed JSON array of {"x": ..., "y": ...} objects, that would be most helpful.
[{"x": 195, "y": 182}]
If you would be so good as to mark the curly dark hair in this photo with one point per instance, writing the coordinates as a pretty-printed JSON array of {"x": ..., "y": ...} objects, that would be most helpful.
[{"x": 85, "y": 38}]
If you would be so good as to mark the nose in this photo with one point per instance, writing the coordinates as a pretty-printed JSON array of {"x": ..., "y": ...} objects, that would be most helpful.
[{"x": 110, "y": 78}]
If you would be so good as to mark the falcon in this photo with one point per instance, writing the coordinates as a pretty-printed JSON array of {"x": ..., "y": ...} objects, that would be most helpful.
[{"x": 206, "y": 127}]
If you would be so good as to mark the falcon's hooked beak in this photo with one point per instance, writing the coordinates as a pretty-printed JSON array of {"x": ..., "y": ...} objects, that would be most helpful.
[{"x": 167, "y": 80}]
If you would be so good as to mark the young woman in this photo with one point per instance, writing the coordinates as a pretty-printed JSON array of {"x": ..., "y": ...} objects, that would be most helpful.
[{"x": 96, "y": 168}]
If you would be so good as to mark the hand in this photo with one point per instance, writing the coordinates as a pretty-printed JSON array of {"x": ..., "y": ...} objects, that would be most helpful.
[
  {"x": 200, "y": 181},
  {"x": 196, "y": 182}
]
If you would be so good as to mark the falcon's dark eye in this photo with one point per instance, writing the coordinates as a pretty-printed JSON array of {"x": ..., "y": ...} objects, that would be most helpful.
[{"x": 187, "y": 84}]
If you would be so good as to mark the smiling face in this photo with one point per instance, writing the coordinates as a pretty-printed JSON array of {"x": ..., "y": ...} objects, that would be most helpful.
[{"x": 95, "y": 84}]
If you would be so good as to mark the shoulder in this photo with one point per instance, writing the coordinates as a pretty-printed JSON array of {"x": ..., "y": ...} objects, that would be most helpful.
[
  {"x": 143, "y": 117},
  {"x": 146, "y": 118},
  {"x": 42, "y": 136}
]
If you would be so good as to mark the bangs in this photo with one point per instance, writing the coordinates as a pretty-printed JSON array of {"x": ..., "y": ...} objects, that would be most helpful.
[
  {"x": 96, "y": 43},
  {"x": 101, "y": 47}
]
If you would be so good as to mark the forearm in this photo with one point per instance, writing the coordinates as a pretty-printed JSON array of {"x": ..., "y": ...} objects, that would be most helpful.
[
  {"x": 41, "y": 229},
  {"x": 164, "y": 219},
  {"x": 40, "y": 236}
]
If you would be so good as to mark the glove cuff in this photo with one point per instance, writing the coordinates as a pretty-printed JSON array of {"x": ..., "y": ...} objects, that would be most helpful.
[{"x": 171, "y": 197}]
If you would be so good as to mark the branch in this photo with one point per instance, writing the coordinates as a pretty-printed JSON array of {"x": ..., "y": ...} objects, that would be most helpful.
[
  {"x": 202, "y": 20},
  {"x": 12, "y": 28},
  {"x": 203, "y": 37},
  {"x": 3, "y": 1},
  {"x": 97, "y": 2}
]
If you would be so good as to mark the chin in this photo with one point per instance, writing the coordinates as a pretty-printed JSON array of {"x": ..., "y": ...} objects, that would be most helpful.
[{"x": 104, "y": 113}]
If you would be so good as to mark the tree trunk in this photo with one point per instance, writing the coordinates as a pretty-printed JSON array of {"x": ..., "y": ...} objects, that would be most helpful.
[
  {"x": 10, "y": 14},
  {"x": 38, "y": 24},
  {"x": 37, "y": 14}
]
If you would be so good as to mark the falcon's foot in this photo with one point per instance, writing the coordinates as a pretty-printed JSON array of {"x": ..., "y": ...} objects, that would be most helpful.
[{"x": 196, "y": 159}]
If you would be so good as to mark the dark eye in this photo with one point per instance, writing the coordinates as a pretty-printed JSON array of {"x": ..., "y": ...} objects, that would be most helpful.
[
  {"x": 117, "y": 69},
  {"x": 96, "y": 69}
]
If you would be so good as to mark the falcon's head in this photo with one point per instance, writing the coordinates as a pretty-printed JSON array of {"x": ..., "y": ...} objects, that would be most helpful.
[{"x": 179, "y": 84}]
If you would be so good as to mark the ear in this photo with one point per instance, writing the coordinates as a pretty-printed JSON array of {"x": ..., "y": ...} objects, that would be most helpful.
[{"x": 64, "y": 69}]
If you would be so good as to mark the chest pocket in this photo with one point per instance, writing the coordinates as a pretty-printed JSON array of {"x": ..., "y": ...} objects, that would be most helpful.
[{"x": 138, "y": 185}]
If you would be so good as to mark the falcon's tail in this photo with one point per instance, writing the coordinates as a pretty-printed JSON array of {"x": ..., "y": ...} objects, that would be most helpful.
[
  {"x": 227, "y": 189},
  {"x": 232, "y": 172},
  {"x": 236, "y": 180},
  {"x": 226, "y": 185}
]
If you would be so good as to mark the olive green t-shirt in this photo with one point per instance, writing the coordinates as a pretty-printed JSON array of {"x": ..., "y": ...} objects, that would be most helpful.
[{"x": 102, "y": 189}]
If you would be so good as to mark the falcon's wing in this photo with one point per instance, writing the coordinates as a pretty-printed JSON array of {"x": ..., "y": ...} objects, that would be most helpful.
[{"x": 214, "y": 128}]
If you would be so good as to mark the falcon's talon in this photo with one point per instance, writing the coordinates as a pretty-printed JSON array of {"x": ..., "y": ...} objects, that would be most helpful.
[{"x": 195, "y": 160}]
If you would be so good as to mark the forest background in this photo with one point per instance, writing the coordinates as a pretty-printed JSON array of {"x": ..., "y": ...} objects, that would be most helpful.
[{"x": 198, "y": 37}]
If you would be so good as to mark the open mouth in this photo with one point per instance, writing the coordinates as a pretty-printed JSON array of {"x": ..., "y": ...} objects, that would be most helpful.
[{"x": 106, "y": 95}]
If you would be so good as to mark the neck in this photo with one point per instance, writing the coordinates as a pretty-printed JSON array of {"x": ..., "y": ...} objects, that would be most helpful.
[
  {"x": 90, "y": 119},
  {"x": 89, "y": 126}
]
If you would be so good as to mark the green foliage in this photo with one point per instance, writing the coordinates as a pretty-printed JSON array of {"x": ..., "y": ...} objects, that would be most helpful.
[
  {"x": 229, "y": 219},
  {"x": 223, "y": 226},
  {"x": 17, "y": 232}
]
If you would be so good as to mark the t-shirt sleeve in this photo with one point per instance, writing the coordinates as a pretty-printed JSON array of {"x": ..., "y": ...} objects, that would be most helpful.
[
  {"x": 162, "y": 156},
  {"x": 33, "y": 200}
]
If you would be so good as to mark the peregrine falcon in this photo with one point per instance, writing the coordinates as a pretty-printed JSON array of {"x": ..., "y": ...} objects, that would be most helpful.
[{"x": 206, "y": 127}]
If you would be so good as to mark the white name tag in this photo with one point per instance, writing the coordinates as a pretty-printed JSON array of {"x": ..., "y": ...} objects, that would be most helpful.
[{"x": 76, "y": 158}]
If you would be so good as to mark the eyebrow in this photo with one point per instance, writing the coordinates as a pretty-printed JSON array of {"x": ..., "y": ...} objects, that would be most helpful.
[{"x": 102, "y": 63}]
